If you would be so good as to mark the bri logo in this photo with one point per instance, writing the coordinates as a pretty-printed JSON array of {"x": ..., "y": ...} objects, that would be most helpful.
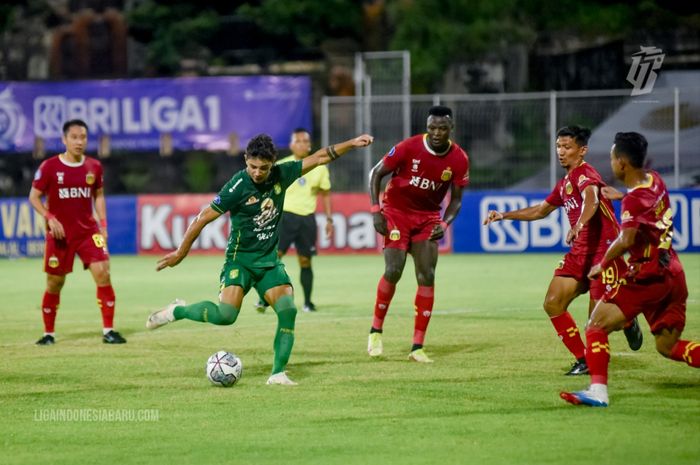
[{"x": 12, "y": 120}]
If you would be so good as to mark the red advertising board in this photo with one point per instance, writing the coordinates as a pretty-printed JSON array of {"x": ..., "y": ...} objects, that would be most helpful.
[{"x": 163, "y": 219}]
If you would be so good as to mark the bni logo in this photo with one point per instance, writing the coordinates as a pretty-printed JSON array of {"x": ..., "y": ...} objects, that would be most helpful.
[{"x": 642, "y": 73}]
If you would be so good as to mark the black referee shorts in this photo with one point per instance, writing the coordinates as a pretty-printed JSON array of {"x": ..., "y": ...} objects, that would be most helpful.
[{"x": 300, "y": 231}]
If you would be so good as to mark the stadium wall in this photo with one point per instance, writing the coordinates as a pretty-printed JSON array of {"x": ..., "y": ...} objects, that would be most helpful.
[{"x": 154, "y": 224}]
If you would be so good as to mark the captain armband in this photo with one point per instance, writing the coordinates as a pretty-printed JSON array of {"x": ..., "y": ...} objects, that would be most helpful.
[{"x": 331, "y": 152}]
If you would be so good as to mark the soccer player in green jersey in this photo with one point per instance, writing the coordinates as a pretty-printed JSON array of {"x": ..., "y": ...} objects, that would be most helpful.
[{"x": 254, "y": 198}]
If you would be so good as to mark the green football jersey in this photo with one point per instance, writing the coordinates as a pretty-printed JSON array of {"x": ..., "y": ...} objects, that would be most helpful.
[{"x": 255, "y": 210}]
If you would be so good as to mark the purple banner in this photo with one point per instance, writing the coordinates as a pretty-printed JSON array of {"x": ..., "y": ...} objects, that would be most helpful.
[{"x": 198, "y": 113}]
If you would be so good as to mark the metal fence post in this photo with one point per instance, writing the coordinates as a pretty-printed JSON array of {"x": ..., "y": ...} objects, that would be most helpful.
[
  {"x": 676, "y": 138},
  {"x": 552, "y": 139}
]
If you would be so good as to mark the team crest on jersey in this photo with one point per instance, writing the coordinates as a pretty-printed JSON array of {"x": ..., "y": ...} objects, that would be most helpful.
[
  {"x": 268, "y": 212},
  {"x": 60, "y": 175},
  {"x": 581, "y": 179},
  {"x": 278, "y": 189},
  {"x": 90, "y": 179},
  {"x": 53, "y": 261},
  {"x": 251, "y": 200},
  {"x": 415, "y": 165},
  {"x": 233, "y": 274},
  {"x": 446, "y": 174},
  {"x": 568, "y": 188},
  {"x": 395, "y": 235}
]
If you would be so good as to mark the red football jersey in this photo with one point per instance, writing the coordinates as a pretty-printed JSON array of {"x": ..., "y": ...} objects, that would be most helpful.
[
  {"x": 647, "y": 208},
  {"x": 421, "y": 177},
  {"x": 602, "y": 229},
  {"x": 70, "y": 189}
]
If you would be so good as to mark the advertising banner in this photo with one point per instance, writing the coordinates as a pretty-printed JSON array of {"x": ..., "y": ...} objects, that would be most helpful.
[
  {"x": 549, "y": 234},
  {"x": 23, "y": 231},
  {"x": 196, "y": 113},
  {"x": 163, "y": 219}
]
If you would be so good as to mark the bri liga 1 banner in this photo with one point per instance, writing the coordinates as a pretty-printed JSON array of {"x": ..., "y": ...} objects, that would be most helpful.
[{"x": 206, "y": 113}]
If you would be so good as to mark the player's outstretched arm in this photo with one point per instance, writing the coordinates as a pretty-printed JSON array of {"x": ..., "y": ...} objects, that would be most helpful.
[
  {"x": 334, "y": 151},
  {"x": 205, "y": 217},
  {"x": 536, "y": 212},
  {"x": 611, "y": 193},
  {"x": 55, "y": 227}
]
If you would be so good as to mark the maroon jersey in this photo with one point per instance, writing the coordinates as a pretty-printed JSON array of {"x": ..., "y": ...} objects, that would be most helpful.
[
  {"x": 647, "y": 208},
  {"x": 70, "y": 189},
  {"x": 602, "y": 229},
  {"x": 421, "y": 177}
]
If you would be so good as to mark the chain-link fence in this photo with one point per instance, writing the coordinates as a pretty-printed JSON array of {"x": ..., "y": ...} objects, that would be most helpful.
[{"x": 510, "y": 137}]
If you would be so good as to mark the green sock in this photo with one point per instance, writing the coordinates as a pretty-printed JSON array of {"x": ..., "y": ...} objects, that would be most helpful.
[
  {"x": 208, "y": 312},
  {"x": 284, "y": 337}
]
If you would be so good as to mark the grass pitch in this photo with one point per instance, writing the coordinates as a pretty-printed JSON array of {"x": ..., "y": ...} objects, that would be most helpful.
[{"x": 491, "y": 397}]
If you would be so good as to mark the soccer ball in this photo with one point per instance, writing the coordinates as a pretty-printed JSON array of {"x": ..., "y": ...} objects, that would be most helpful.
[{"x": 224, "y": 369}]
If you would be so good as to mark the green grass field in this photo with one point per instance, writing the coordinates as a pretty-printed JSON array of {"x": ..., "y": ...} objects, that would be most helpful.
[{"x": 491, "y": 397}]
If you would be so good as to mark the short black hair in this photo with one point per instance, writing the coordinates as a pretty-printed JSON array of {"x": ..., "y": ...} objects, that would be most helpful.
[
  {"x": 74, "y": 122},
  {"x": 300, "y": 129},
  {"x": 632, "y": 146},
  {"x": 440, "y": 110},
  {"x": 261, "y": 146},
  {"x": 577, "y": 133}
]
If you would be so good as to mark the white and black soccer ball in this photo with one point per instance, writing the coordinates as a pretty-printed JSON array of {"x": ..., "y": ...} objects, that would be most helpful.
[{"x": 224, "y": 369}]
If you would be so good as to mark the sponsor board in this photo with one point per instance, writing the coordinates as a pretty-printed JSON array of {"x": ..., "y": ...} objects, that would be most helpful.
[
  {"x": 549, "y": 234},
  {"x": 197, "y": 113}
]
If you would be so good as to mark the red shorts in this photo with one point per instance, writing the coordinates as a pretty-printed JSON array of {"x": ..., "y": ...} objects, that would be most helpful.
[
  {"x": 578, "y": 266},
  {"x": 406, "y": 227},
  {"x": 662, "y": 301},
  {"x": 60, "y": 254}
]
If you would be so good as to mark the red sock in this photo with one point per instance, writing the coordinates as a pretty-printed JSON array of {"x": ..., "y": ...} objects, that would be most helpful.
[
  {"x": 688, "y": 352},
  {"x": 385, "y": 292},
  {"x": 49, "y": 307},
  {"x": 597, "y": 355},
  {"x": 425, "y": 296},
  {"x": 569, "y": 334},
  {"x": 105, "y": 299}
]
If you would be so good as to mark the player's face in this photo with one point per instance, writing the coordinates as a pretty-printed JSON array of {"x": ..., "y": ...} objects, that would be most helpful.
[
  {"x": 258, "y": 169},
  {"x": 439, "y": 129},
  {"x": 75, "y": 141},
  {"x": 300, "y": 145},
  {"x": 570, "y": 154},
  {"x": 616, "y": 165}
]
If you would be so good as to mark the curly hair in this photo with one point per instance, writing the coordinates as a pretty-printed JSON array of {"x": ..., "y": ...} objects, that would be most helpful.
[{"x": 261, "y": 146}]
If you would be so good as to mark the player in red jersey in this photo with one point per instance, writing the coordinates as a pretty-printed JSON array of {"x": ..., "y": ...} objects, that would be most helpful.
[
  {"x": 72, "y": 185},
  {"x": 654, "y": 283},
  {"x": 593, "y": 229},
  {"x": 423, "y": 168}
]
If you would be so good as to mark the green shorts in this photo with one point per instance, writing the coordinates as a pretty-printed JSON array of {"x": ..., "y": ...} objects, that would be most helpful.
[{"x": 237, "y": 274}]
